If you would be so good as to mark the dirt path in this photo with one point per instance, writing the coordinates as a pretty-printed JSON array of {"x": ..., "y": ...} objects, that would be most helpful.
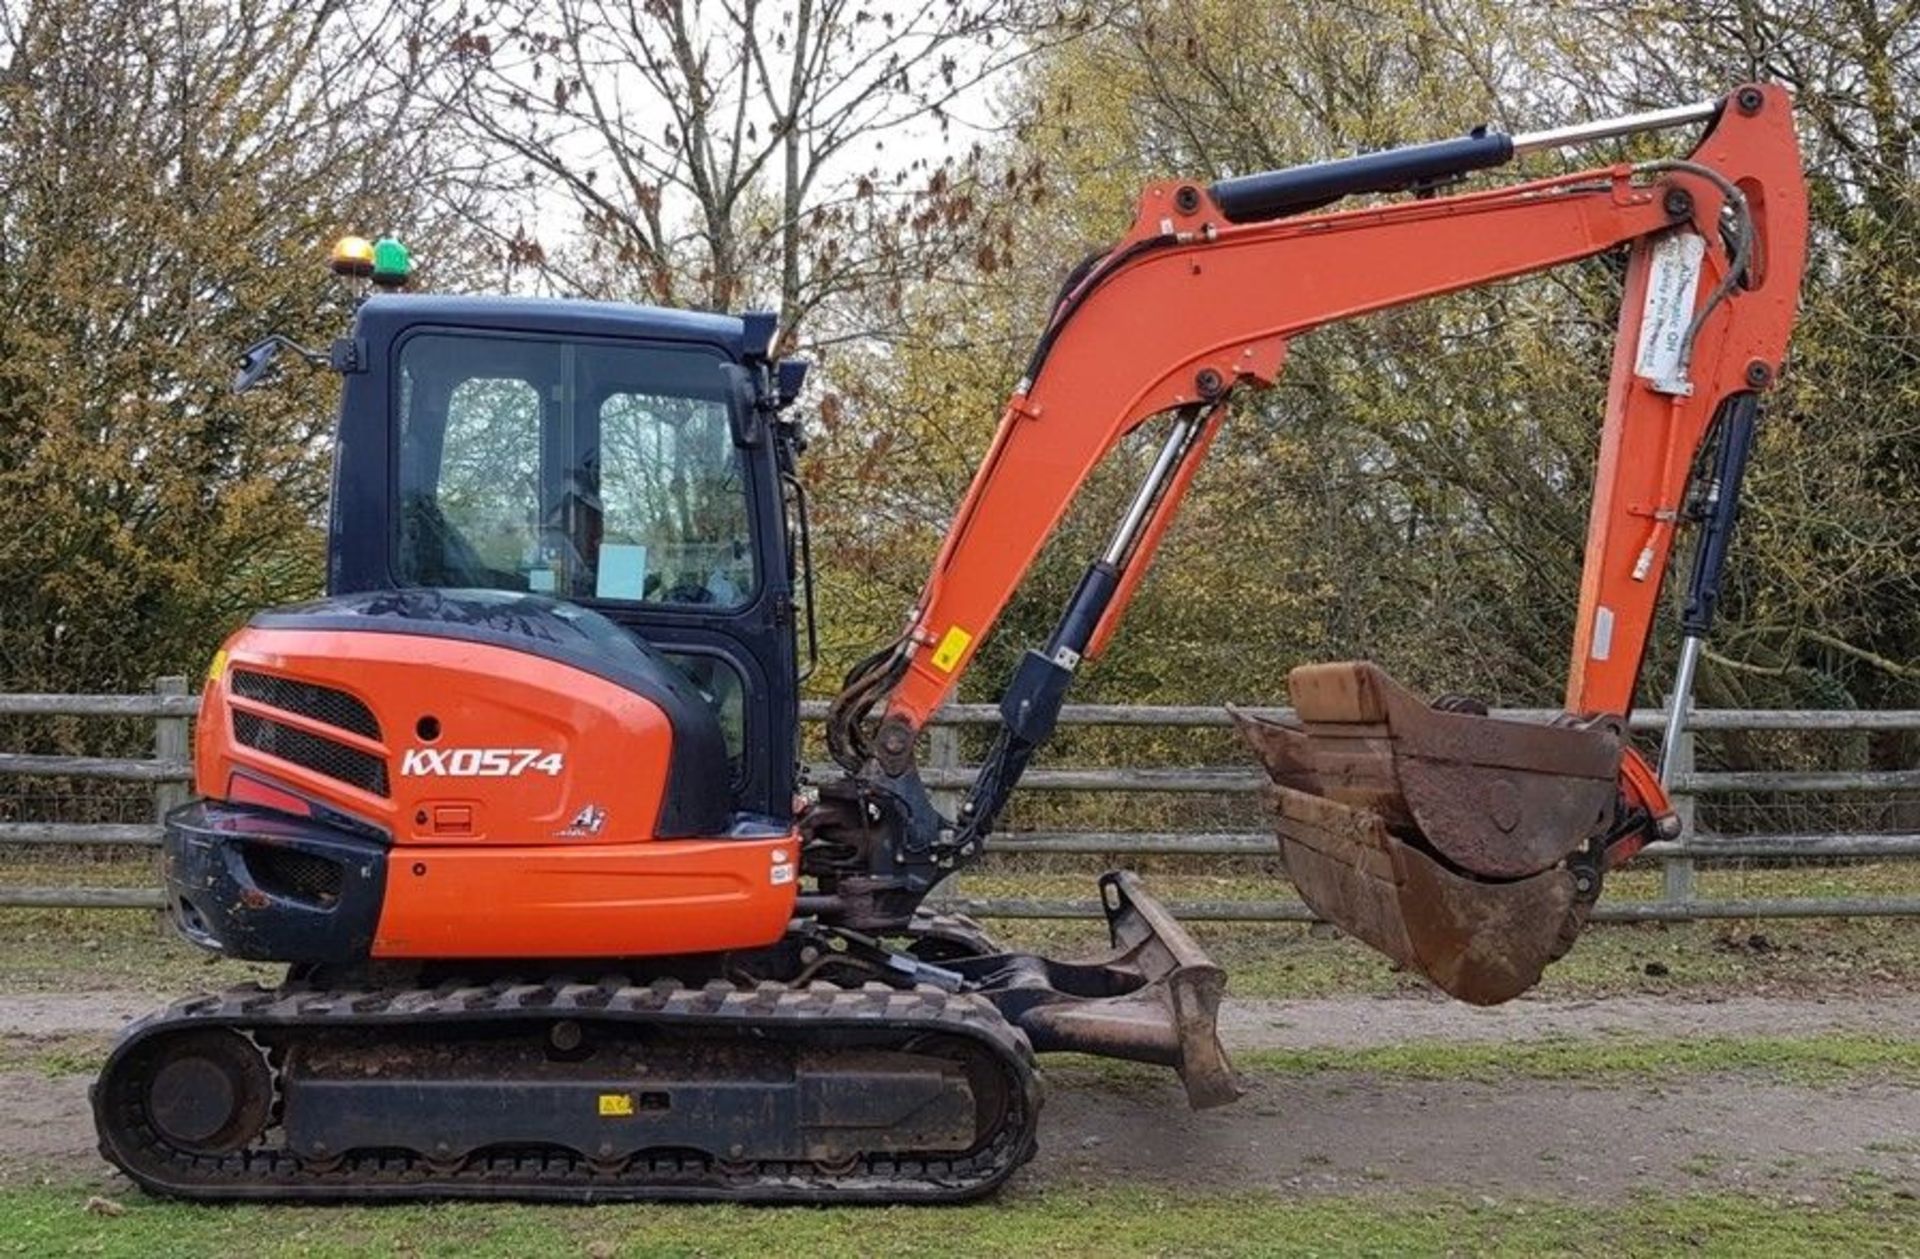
[
  {"x": 1334, "y": 1131},
  {"x": 1345, "y": 1133},
  {"x": 61, "y": 1014},
  {"x": 1525, "y": 1138},
  {"x": 1362, "y": 1022}
]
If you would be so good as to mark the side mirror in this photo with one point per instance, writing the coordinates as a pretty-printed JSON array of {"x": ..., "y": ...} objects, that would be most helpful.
[
  {"x": 254, "y": 362},
  {"x": 261, "y": 355}
]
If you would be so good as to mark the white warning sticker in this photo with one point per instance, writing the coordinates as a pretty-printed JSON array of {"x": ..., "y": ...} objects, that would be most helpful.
[
  {"x": 1673, "y": 282},
  {"x": 1602, "y": 633}
]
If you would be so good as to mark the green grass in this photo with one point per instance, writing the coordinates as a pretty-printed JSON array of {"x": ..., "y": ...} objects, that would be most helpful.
[
  {"x": 1866, "y": 1220},
  {"x": 1810, "y": 956},
  {"x": 50, "y": 950},
  {"x": 54, "y": 1055},
  {"x": 1826, "y": 1059},
  {"x": 1262, "y": 879},
  {"x": 43, "y": 950}
]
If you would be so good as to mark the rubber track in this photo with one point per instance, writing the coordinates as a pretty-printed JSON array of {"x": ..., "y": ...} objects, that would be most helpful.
[{"x": 270, "y": 1173}]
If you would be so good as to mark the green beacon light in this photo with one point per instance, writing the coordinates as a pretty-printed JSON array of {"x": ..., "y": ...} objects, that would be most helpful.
[{"x": 392, "y": 264}]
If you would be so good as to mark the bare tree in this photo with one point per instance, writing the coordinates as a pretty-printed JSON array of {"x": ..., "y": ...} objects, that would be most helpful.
[{"x": 735, "y": 152}]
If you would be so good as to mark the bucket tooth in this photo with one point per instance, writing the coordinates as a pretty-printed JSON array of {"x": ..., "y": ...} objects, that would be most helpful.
[
  {"x": 1446, "y": 839},
  {"x": 1284, "y": 750}
]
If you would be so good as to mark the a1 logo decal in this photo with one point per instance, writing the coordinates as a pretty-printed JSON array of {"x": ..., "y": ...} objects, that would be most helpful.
[{"x": 588, "y": 821}]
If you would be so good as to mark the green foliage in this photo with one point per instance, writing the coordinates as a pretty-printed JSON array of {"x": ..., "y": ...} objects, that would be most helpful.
[
  {"x": 168, "y": 186},
  {"x": 1822, "y": 610},
  {"x": 1416, "y": 489},
  {"x": 1319, "y": 525}
]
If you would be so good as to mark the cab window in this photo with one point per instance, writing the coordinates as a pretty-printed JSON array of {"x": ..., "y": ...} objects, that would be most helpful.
[
  {"x": 582, "y": 470},
  {"x": 671, "y": 497},
  {"x": 489, "y": 484}
]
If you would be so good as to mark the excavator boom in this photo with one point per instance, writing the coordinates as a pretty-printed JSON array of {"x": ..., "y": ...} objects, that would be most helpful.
[{"x": 1465, "y": 847}]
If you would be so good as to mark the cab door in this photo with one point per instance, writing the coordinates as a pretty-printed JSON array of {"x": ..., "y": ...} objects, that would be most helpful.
[{"x": 681, "y": 498}]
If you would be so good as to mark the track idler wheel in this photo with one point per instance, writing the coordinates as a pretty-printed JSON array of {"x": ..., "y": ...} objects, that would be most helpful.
[
  {"x": 210, "y": 1093},
  {"x": 1460, "y": 845}
]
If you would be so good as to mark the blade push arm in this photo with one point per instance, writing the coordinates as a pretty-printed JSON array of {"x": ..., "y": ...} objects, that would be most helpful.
[{"x": 1192, "y": 304}]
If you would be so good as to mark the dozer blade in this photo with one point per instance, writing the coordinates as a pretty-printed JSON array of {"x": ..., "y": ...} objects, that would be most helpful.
[
  {"x": 1461, "y": 846},
  {"x": 1154, "y": 998}
]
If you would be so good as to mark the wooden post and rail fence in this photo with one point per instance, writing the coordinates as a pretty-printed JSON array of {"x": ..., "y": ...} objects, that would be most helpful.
[{"x": 171, "y": 710}]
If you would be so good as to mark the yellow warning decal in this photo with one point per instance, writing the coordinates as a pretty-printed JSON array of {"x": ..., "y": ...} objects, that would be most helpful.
[
  {"x": 219, "y": 665},
  {"x": 615, "y": 1104},
  {"x": 953, "y": 645}
]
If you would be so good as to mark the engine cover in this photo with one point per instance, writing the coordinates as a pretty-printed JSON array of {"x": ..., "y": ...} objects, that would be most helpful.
[
  {"x": 540, "y": 783},
  {"x": 465, "y": 716}
]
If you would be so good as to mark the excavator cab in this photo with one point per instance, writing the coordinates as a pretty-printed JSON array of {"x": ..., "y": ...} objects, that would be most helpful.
[{"x": 623, "y": 459}]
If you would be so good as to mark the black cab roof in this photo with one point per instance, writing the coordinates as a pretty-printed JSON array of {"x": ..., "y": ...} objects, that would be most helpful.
[{"x": 385, "y": 315}]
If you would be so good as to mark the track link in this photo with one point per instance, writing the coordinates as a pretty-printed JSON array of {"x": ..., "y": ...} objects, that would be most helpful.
[{"x": 820, "y": 1019}]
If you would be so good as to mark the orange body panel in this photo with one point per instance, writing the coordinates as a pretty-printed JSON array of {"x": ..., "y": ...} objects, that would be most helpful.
[
  {"x": 614, "y": 745},
  {"x": 599, "y": 900},
  {"x": 525, "y": 827}
]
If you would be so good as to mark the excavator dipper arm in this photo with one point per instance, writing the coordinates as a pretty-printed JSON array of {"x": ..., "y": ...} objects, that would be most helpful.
[{"x": 1203, "y": 297}]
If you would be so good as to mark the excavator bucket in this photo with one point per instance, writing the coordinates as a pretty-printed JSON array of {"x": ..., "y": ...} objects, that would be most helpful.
[{"x": 1460, "y": 845}]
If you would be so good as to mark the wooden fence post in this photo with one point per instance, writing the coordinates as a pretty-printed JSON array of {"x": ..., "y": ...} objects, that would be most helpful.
[
  {"x": 170, "y": 744},
  {"x": 1676, "y": 883},
  {"x": 943, "y": 752}
]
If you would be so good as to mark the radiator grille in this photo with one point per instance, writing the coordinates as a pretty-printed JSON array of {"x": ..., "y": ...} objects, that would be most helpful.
[
  {"x": 316, "y": 703},
  {"x": 310, "y": 751}
]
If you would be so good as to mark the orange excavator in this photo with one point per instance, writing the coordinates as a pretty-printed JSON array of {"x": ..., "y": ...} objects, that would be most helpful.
[{"x": 519, "y": 803}]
